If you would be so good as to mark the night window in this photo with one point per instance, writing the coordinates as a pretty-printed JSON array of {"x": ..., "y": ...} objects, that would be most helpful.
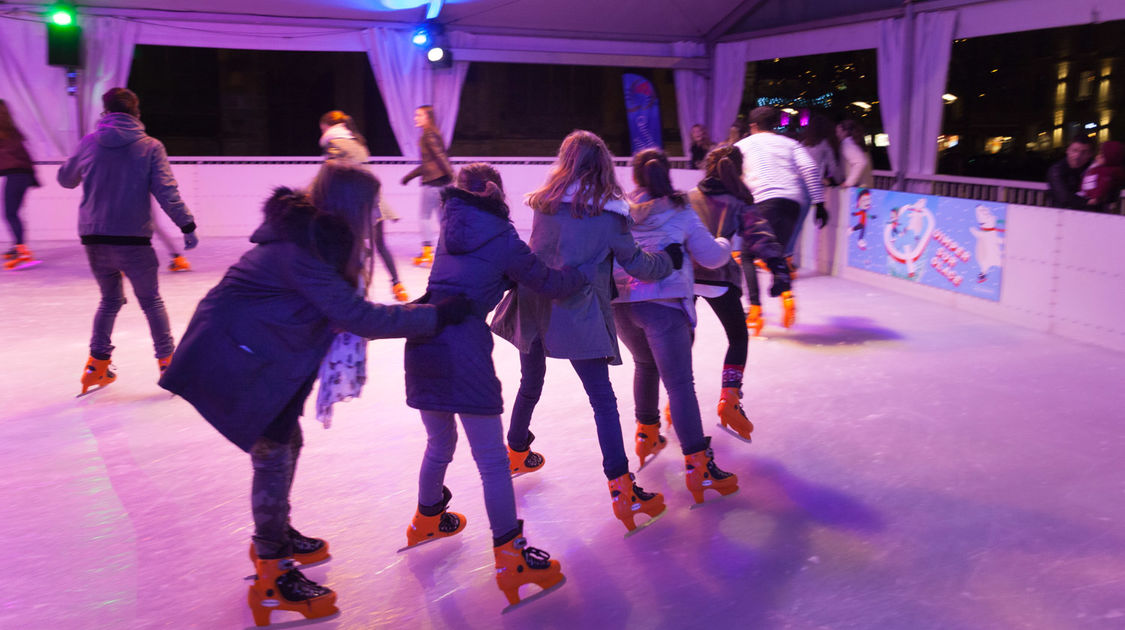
[
  {"x": 513, "y": 109},
  {"x": 219, "y": 102}
]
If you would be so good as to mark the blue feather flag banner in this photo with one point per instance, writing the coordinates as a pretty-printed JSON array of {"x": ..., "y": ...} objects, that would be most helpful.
[{"x": 642, "y": 107}]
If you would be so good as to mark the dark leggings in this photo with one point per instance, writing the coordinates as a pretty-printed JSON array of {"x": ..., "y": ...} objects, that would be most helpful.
[
  {"x": 783, "y": 215},
  {"x": 728, "y": 308},
  {"x": 384, "y": 253},
  {"x": 15, "y": 187},
  {"x": 274, "y": 458}
]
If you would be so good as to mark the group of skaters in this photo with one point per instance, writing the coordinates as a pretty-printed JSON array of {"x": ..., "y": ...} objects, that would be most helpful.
[{"x": 600, "y": 266}]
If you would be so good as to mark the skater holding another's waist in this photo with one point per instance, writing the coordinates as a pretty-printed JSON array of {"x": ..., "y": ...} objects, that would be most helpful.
[
  {"x": 250, "y": 354},
  {"x": 479, "y": 255},
  {"x": 656, "y": 321},
  {"x": 580, "y": 219}
]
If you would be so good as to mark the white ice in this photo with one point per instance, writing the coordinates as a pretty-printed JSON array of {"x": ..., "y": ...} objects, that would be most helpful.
[{"x": 913, "y": 467}]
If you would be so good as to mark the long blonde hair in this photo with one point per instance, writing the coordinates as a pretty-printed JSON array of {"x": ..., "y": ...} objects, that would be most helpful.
[
  {"x": 350, "y": 192},
  {"x": 583, "y": 162}
]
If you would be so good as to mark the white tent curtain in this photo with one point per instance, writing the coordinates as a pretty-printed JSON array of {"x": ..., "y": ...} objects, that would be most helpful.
[
  {"x": 35, "y": 92},
  {"x": 691, "y": 92},
  {"x": 890, "y": 63},
  {"x": 914, "y": 150},
  {"x": 407, "y": 81},
  {"x": 109, "y": 44},
  {"x": 933, "y": 46},
  {"x": 726, "y": 86}
]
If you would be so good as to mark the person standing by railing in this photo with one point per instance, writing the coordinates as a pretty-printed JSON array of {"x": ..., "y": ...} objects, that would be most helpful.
[{"x": 1065, "y": 176}]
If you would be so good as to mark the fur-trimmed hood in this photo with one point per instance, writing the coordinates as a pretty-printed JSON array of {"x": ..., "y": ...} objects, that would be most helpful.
[{"x": 291, "y": 217}]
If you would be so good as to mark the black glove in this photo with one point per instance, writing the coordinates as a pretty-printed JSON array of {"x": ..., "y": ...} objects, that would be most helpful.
[
  {"x": 821, "y": 215},
  {"x": 453, "y": 310},
  {"x": 781, "y": 278},
  {"x": 675, "y": 251}
]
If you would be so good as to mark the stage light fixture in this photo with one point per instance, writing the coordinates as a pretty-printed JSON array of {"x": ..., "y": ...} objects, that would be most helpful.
[
  {"x": 64, "y": 36},
  {"x": 421, "y": 36},
  {"x": 439, "y": 57}
]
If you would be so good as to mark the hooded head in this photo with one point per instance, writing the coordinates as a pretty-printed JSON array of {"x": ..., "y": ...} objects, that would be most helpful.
[{"x": 1113, "y": 153}]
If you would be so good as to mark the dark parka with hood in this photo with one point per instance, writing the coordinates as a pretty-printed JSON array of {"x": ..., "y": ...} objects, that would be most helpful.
[
  {"x": 480, "y": 256},
  {"x": 259, "y": 335}
]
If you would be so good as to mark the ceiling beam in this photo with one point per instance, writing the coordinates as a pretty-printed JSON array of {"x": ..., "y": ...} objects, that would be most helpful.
[{"x": 745, "y": 8}]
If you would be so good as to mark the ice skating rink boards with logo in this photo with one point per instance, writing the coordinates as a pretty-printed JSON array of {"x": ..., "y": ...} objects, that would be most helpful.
[{"x": 1060, "y": 271}]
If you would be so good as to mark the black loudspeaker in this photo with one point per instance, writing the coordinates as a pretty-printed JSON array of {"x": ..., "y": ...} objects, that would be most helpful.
[{"x": 64, "y": 45}]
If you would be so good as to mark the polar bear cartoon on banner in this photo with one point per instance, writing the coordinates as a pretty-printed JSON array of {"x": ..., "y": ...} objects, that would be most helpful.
[{"x": 990, "y": 242}]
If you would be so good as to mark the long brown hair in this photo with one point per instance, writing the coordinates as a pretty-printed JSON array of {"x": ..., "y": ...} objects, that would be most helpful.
[
  {"x": 652, "y": 173},
  {"x": 724, "y": 163},
  {"x": 481, "y": 178},
  {"x": 349, "y": 192},
  {"x": 820, "y": 128},
  {"x": 8, "y": 129},
  {"x": 337, "y": 117},
  {"x": 583, "y": 162}
]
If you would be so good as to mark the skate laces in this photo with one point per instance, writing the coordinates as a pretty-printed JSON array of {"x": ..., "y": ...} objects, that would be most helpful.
[
  {"x": 536, "y": 558},
  {"x": 302, "y": 543},
  {"x": 716, "y": 472},
  {"x": 448, "y": 523},
  {"x": 641, "y": 494},
  {"x": 533, "y": 459},
  {"x": 295, "y": 586}
]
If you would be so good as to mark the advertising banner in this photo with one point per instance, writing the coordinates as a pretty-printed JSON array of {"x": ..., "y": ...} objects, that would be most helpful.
[
  {"x": 642, "y": 107},
  {"x": 952, "y": 244}
]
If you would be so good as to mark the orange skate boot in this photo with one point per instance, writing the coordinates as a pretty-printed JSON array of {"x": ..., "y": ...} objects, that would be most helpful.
[
  {"x": 400, "y": 292},
  {"x": 703, "y": 474},
  {"x": 754, "y": 320},
  {"x": 649, "y": 441},
  {"x": 629, "y": 499},
  {"x": 432, "y": 522},
  {"x": 96, "y": 374},
  {"x": 306, "y": 550},
  {"x": 279, "y": 586},
  {"x": 789, "y": 309},
  {"x": 518, "y": 564},
  {"x": 731, "y": 415}
]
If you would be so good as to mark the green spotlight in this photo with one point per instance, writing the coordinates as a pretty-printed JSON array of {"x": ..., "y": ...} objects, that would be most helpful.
[{"x": 61, "y": 16}]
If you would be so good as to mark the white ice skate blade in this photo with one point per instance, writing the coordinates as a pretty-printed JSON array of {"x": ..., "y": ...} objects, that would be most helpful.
[
  {"x": 424, "y": 542},
  {"x": 92, "y": 390},
  {"x": 298, "y": 623},
  {"x": 526, "y": 472},
  {"x": 651, "y": 458},
  {"x": 734, "y": 433},
  {"x": 645, "y": 525},
  {"x": 26, "y": 265},
  {"x": 717, "y": 499},
  {"x": 539, "y": 595}
]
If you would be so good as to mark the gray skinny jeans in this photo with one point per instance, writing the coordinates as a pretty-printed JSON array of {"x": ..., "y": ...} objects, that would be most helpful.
[
  {"x": 486, "y": 439},
  {"x": 138, "y": 263}
]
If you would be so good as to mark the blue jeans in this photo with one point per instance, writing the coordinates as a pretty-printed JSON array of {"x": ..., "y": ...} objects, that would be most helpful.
[
  {"x": 137, "y": 263},
  {"x": 659, "y": 338},
  {"x": 486, "y": 439},
  {"x": 15, "y": 186},
  {"x": 594, "y": 374},
  {"x": 428, "y": 205}
]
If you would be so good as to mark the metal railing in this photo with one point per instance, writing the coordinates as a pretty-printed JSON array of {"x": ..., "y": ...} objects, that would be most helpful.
[{"x": 999, "y": 190}]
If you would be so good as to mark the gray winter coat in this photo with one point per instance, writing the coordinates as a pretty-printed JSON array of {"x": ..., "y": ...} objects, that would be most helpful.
[
  {"x": 480, "y": 256},
  {"x": 119, "y": 166},
  {"x": 580, "y": 326},
  {"x": 261, "y": 333}
]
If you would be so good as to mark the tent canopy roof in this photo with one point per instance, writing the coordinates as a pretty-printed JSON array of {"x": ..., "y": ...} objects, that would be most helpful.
[{"x": 637, "y": 20}]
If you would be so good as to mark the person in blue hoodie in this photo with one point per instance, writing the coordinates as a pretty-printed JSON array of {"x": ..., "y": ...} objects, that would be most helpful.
[
  {"x": 119, "y": 166},
  {"x": 480, "y": 256}
]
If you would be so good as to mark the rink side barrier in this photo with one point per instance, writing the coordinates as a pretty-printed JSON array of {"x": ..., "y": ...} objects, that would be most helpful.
[
  {"x": 226, "y": 195},
  {"x": 1063, "y": 273},
  {"x": 1063, "y": 269}
]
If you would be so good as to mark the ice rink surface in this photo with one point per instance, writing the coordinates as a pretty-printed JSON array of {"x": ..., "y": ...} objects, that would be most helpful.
[{"x": 913, "y": 467}]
